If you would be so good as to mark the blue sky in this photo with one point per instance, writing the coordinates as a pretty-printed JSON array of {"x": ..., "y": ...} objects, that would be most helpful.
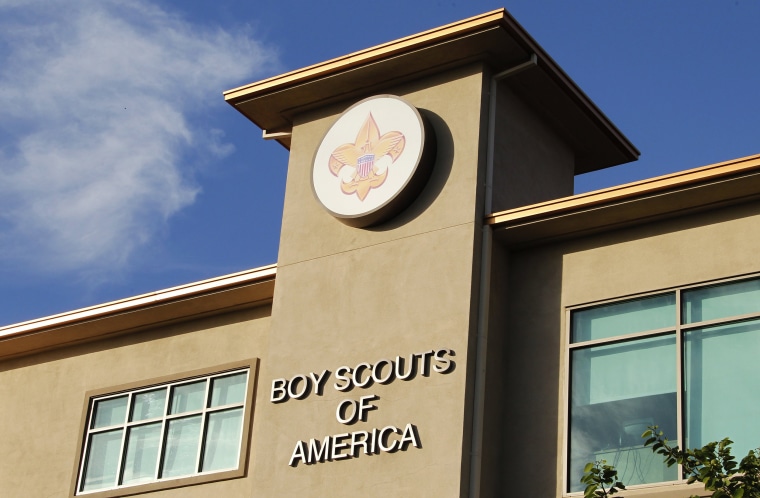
[{"x": 122, "y": 170}]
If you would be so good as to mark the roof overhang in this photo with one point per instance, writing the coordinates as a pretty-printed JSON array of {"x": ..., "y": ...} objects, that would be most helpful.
[
  {"x": 494, "y": 38},
  {"x": 242, "y": 290},
  {"x": 669, "y": 196}
]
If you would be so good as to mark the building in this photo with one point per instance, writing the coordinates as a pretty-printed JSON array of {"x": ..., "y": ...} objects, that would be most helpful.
[{"x": 445, "y": 317}]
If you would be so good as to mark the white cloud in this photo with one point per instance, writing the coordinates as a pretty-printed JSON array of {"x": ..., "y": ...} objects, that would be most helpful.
[{"x": 97, "y": 101}]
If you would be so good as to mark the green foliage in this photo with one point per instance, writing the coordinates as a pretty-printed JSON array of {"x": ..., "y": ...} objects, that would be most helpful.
[
  {"x": 713, "y": 465},
  {"x": 600, "y": 480}
]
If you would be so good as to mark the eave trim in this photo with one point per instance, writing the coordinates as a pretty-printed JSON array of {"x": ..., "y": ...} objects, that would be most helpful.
[
  {"x": 135, "y": 303},
  {"x": 673, "y": 181},
  {"x": 365, "y": 56}
]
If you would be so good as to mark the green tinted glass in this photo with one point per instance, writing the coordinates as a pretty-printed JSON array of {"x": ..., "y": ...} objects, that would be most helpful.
[
  {"x": 111, "y": 411},
  {"x": 102, "y": 460},
  {"x": 142, "y": 454},
  {"x": 721, "y": 386},
  {"x": 148, "y": 404},
  {"x": 721, "y": 301},
  {"x": 228, "y": 389},
  {"x": 188, "y": 397},
  {"x": 626, "y": 317},
  {"x": 617, "y": 391},
  {"x": 181, "y": 451},
  {"x": 222, "y": 443}
]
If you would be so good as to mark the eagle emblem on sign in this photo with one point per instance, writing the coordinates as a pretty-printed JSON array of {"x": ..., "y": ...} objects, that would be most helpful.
[{"x": 363, "y": 165}]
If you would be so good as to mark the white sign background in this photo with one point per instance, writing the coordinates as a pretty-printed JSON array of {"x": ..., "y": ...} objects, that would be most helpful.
[{"x": 391, "y": 114}]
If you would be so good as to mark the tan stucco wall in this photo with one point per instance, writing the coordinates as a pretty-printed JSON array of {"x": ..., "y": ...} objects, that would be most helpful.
[
  {"x": 544, "y": 281},
  {"x": 531, "y": 162},
  {"x": 43, "y": 396},
  {"x": 346, "y": 295},
  {"x": 683, "y": 251}
]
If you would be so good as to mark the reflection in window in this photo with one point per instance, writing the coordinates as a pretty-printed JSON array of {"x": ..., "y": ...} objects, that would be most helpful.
[
  {"x": 617, "y": 391},
  {"x": 622, "y": 383}
]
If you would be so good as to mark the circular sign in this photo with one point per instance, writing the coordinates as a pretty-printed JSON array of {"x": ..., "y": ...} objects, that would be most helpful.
[{"x": 373, "y": 161}]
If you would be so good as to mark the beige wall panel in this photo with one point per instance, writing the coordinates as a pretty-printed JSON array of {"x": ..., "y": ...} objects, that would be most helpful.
[
  {"x": 44, "y": 395},
  {"x": 530, "y": 365},
  {"x": 454, "y": 98},
  {"x": 683, "y": 251},
  {"x": 396, "y": 298},
  {"x": 531, "y": 163},
  {"x": 496, "y": 399}
]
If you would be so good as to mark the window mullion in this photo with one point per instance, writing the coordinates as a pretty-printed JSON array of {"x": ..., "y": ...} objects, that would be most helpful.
[
  {"x": 721, "y": 321},
  {"x": 567, "y": 401},
  {"x": 162, "y": 438},
  {"x": 202, "y": 440},
  {"x": 621, "y": 338},
  {"x": 86, "y": 446},
  {"x": 226, "y": 407},
  {"x": 680, "y": 422},
  {"x": 123, "y": 447}
]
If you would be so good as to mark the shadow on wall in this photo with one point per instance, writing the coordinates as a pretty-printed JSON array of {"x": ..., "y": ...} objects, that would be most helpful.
[
  {"x": 441, "y": 170},
  {"x": 521, "y": 431}
]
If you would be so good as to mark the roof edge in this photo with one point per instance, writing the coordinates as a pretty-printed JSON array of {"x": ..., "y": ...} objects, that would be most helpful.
[
  {"x": 575, "y": 92},
  {"x": 135, "y": 303},
  {"x": 268, "y": 102},
  {"x": 673, "y": 181},
  {"x": 364, "y": 56}
]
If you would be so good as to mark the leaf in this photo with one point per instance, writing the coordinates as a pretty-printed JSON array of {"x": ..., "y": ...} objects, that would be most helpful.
[{"x": 589, "y": 490}]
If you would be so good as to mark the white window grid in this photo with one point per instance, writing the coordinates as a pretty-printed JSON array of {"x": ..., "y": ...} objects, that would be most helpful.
[{"x": 204, "y": 412}]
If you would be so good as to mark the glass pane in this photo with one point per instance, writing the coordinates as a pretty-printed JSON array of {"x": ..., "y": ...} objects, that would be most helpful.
[
  {"x": 181, "y": 451},
  {"x": 110, "y": 411},
  {"x": 148, "y": 404},
  {"x": 722, "y": 386},
  {"x": 188, "y": 397},
  {"x": 102, "y": 460},
  {"x": 721, "y": 301},
  {"x": 618, "y": 390},
  {"x": 142, "y": 454},
  {"x": 228, "y": 390},
  {"x": 222, "y": 446},
  {"x": 628, "y": 317}
]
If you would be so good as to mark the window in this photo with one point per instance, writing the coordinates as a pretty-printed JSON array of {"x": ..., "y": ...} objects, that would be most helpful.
[
  {"x": 684, "y": 360},
  {"x": 166, "y": 434}
]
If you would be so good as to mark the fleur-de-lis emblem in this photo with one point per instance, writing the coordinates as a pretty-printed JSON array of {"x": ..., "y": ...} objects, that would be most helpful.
[{"x": 363, "y": 165}]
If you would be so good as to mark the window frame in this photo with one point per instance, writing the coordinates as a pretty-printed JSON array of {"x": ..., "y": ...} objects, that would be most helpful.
[
  {"x": 241, "y": 469},
  {"x": 678, "y": 330}
]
